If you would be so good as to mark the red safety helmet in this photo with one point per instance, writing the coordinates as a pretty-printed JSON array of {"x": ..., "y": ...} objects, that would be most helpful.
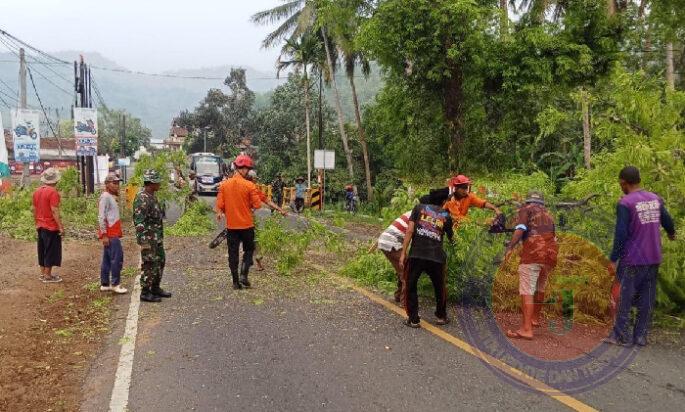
[
  {"x": 243, "y": 161},
  {"x": 460, "y": 180}
]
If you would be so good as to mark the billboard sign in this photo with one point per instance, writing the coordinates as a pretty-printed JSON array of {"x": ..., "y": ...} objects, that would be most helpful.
[
  {"x": 85, "y": 131},
  {"x": 26, "y": 135}
]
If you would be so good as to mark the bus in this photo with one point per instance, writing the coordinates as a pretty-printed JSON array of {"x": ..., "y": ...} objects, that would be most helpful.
[{"x": 209, "y": 172}]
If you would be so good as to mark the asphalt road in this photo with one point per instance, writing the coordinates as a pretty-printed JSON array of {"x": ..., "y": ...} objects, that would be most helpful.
[{"x": 305, "y": 343}]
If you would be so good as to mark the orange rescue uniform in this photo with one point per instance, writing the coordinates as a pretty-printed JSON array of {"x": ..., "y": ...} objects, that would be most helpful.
[
  {"x": 459, "y": 208},
  {"x": 236, "y": 199}
]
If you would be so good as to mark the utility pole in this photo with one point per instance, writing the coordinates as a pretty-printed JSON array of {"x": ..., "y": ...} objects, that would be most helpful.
[
  {"x": 25, "y": 172},
  {"x": 83, "y": 86},
  {"x": 122, "y": 149}
]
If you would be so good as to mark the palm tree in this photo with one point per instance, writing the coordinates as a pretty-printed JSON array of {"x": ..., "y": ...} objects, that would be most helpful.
[
  {"x": 352, "y": 58},
  {"x": 302, "y": 52},
  {"x": 295, "y": 18}
]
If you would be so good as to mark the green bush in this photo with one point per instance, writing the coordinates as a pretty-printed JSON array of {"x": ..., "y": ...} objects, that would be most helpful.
[
  {"x": 195, "y": 221},
  {"x": 77, "y": 213}
]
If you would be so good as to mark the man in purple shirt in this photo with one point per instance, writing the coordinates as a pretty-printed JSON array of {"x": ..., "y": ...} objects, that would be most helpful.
[{"x": 636, "y": 255}]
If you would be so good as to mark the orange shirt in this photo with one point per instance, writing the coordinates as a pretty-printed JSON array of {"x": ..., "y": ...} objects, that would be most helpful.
[
  {"x": 262, "y": 196},
  {"x": 459, "y": 208},
  {"x": 236, "y": 199}
]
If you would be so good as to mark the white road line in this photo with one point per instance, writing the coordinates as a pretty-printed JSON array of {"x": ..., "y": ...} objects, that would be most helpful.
[{"x": 122, "y": 381}]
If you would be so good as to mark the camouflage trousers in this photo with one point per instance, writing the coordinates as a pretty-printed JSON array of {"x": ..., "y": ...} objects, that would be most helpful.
[{"x": 153, "y": 261}]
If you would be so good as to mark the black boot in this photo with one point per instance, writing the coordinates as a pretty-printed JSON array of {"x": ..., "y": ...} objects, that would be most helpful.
[
  {"x": 146, "y": 296},
  {"x": 244, "y": 269},
  {"x": 236, "y": 282},
  {"x": 157, "y": 291}
]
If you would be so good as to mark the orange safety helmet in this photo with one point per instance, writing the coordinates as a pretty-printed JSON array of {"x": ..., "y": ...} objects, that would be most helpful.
[
  {"x": 460, "y": 180},
  {"x": 243, "y": 161},
  {"x": 349, "y": 188}
]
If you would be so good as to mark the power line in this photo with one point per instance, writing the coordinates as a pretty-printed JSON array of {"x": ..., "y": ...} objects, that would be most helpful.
[
  {"x": 33, "y": 83},
  {"x": 10, "y": 88},
  {"x": 28, "y": 46},
  {"x": 51, "y": 82},
  {"x": 3, "y": 41},
  {"x": 4, "y": 102},
  {"x": 9, "y": 96},
  {"x": 98, "y": 94}
]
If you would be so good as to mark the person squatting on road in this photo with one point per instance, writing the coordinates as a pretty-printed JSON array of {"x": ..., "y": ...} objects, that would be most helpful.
[
  {"x": 147, "y": 218},
  {"x": 252, "y": 176},
  {"x": 236, "y": 199},
  {"x": 535, "y": 227},
  {"x": 50, "y": 229},
  {"x": 390, "y": 243},
  {"x": 462, "y": 199},
  {"x": 636, "y": 256},
  {"x": 428, "y": 224},
  {"x": 110, "y": 234}
]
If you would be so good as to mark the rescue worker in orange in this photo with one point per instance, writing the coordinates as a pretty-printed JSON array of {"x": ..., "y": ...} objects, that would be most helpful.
[
  {"x": 236, "y": 199},
  {"x": 462, "y": 199}
]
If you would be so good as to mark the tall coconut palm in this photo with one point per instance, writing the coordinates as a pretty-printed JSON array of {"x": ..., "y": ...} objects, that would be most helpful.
[
  {"x": 353, "y": 58},
  {"x": 295, "y": 17},
  {"x": 301, "y": 53}
]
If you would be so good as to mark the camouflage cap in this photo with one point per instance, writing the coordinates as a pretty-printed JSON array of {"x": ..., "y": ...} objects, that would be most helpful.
[{"x": 151, "y": 176}]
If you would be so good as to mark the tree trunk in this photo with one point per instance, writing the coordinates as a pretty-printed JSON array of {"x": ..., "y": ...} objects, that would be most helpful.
[
  {"x": 338, "y": 108},
  {"x": 454, "y": 113},
  {"x": 670, "y": 69},
  {"x": 504, "y": 18},
  {"x": 308, "y": 127},
  {"x": 587, "y": 137},
  {"x": 362, "y": 139},
  {"x": 611, "y": 7}
]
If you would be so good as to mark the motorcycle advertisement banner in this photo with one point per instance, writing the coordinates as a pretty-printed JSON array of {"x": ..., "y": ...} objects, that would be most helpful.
[
  {"x": 4, "y": 158},
  {"x": 85, "y": 131},
  {"x": 26, "y": 135}
]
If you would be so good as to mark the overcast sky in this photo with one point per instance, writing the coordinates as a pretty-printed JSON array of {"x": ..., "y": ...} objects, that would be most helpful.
[{"x": 148, "y": 35}]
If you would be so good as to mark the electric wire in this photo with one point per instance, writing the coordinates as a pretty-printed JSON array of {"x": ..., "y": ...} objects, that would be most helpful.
[
  {"x": 5, "y": 102},
  {"x": 10, "y": 88},
  {"x": 36, "y": 70},
  {"x": 47, "y": 118}
]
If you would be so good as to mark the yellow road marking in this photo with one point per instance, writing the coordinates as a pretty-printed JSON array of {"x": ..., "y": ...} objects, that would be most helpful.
[{"x": 517, "y": 374}]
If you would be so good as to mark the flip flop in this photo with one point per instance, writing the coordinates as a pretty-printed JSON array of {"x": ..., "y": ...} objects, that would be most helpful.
[{"x": 516, "y": 335}]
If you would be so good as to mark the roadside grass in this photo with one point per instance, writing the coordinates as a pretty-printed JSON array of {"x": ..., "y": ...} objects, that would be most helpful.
[
  {"x": 129, "y": 272},
  {"x": 288, "y": 247},
  {"x": 56, "y": 296},
  {"x": 195, "y": 221}
]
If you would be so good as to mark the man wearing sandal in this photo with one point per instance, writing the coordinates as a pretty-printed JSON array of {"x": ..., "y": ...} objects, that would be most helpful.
[
  {"x": 535, "y": 228},
  {"x": 50, "y": 229}
]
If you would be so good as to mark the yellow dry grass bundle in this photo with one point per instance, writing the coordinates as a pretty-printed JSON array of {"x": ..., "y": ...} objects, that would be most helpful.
[{"x": 581, "y": 268}]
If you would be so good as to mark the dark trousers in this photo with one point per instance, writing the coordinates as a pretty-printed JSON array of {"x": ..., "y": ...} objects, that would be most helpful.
[
  {"x": 299, "y": 204},
  {"x": 278, "y": 199},
  {"x": 112, "y": 262},
  {"x": 436, "y": 272},
  {"x": 49, "y": 248},
  {"x": 235, "y": 238},
  {"x": 638, "y": 288}
]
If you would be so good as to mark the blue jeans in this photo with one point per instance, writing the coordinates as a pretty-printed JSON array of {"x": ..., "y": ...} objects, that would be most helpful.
[
  {"x": 638, "y": 288},
  {"x": 112, "y": 262}
]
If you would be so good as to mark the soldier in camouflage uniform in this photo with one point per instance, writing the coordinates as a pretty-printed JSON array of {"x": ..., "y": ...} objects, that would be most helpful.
[{"x": 147, "y": 217}]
